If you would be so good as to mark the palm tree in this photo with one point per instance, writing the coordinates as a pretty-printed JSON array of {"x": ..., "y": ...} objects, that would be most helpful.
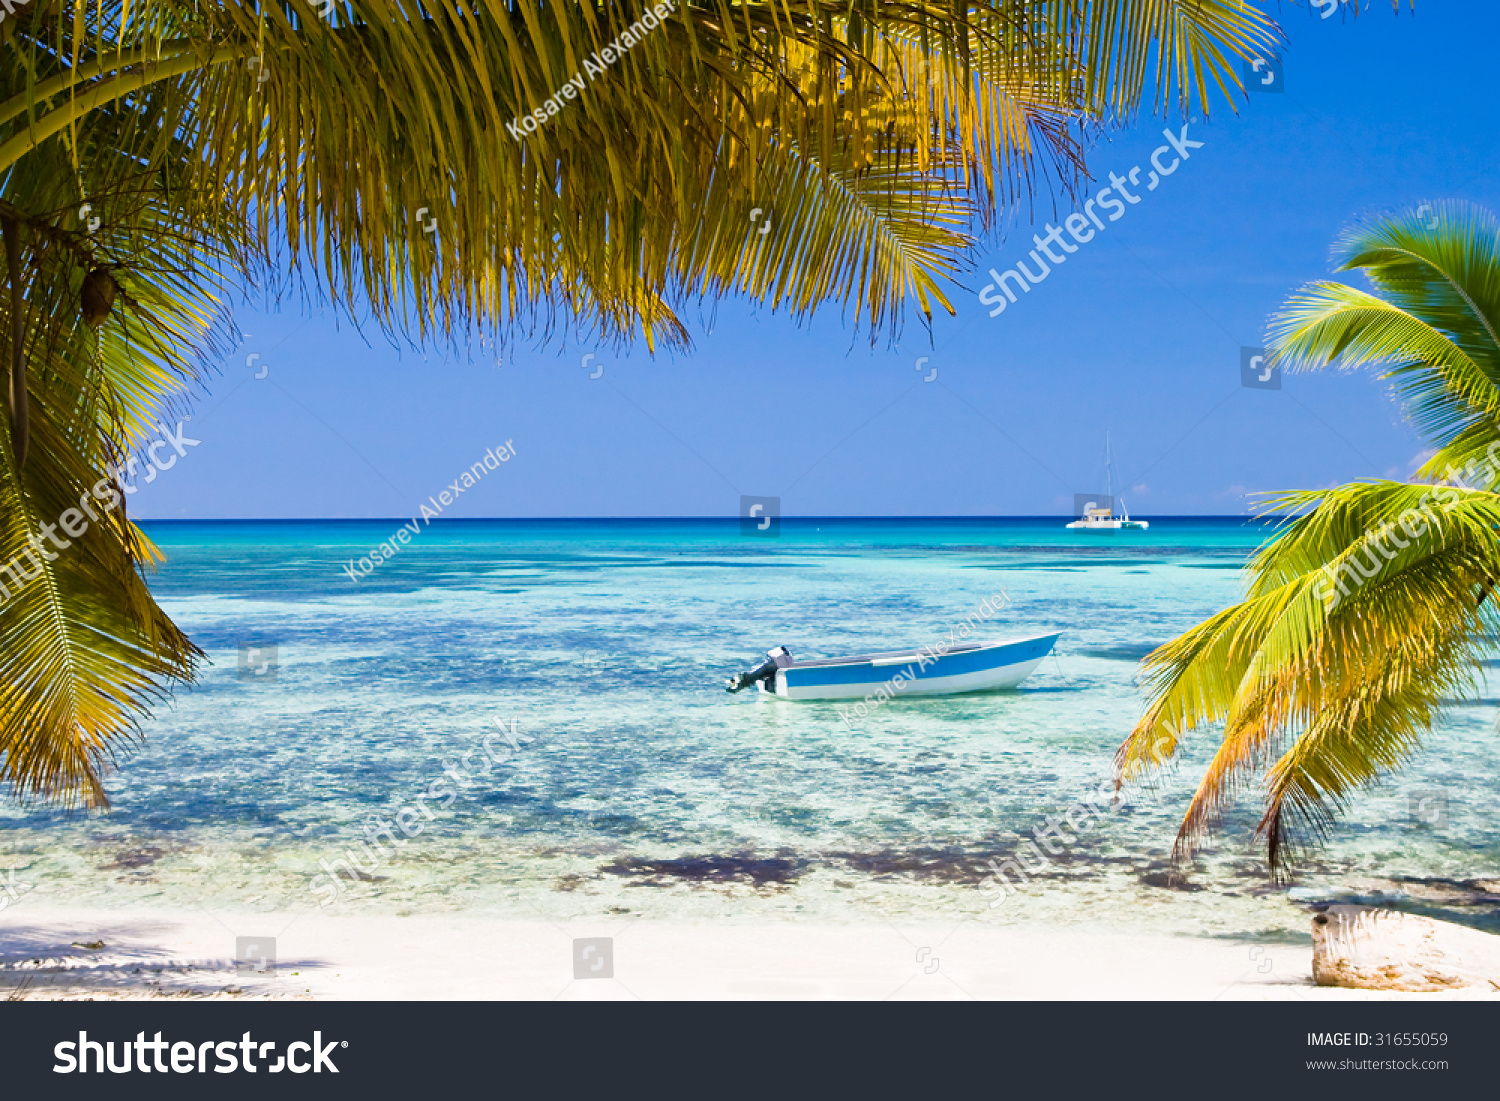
[
  {"x": 1366, "y": 614},
  {"x": 378, "y": 153}
]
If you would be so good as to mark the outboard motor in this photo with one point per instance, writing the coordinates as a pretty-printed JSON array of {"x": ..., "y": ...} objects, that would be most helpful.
[{"x": 775, "y": 659}]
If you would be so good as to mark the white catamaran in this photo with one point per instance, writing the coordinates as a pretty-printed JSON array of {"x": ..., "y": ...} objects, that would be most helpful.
[{"x": 1097, "y": 518}]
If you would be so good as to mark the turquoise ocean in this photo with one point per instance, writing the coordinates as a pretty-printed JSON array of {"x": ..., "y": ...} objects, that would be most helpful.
[{"x": 621, "y": 778}]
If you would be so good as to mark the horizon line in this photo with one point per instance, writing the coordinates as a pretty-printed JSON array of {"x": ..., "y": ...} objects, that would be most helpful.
[{"x": 706, "y": 519}]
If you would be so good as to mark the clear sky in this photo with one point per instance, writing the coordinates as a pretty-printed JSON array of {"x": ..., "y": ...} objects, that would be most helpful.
[{"x": 1138, "y": 333}]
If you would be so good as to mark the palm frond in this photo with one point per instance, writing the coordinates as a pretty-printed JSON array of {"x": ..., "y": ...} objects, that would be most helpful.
[
  {"x": 1363, "y": 618},
  {"x": 333, "y": 133},
  {"x": 1429, "y": 325}
]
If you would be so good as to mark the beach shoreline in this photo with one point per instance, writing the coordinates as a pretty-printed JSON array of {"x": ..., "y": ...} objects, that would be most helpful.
[{"x": 478, "y": 956}]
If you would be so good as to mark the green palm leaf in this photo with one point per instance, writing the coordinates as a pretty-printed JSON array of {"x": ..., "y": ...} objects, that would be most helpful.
[{"x": 1370, "y": 611}]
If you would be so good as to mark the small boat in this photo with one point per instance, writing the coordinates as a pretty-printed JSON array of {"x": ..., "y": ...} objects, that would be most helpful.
[
  {"x": 1096, "y": 518},
  {"x": 966, "y": 667},
  {"x": 1101, "y": 519}
]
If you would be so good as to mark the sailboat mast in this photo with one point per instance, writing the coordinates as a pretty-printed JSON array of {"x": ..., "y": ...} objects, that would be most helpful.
[{"x": 1109, "y": 475}]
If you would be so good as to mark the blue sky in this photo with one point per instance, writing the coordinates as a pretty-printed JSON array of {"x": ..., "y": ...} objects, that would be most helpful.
[{"x": 1139, "y": 333}]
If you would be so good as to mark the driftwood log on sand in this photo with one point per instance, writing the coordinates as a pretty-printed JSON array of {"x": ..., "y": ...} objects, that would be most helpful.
[{"x": 1373, "y": 949}]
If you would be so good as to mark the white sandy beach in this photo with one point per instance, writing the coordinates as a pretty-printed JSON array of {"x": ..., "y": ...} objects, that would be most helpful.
[{"x": 470, "y": 956}]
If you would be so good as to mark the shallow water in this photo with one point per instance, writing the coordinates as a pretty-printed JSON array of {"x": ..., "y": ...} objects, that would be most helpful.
[{"x": 639, "y": 786}]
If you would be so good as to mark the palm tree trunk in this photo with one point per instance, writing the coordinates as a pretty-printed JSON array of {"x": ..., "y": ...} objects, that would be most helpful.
[{"x": 19, "y": 419}]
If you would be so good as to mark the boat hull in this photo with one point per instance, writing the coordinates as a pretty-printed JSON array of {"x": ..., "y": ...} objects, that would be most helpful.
[{"x": 975, "y": 667}]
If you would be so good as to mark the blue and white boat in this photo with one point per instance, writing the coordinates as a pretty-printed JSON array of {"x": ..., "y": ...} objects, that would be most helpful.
[{"x": 966, "y": 667}]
